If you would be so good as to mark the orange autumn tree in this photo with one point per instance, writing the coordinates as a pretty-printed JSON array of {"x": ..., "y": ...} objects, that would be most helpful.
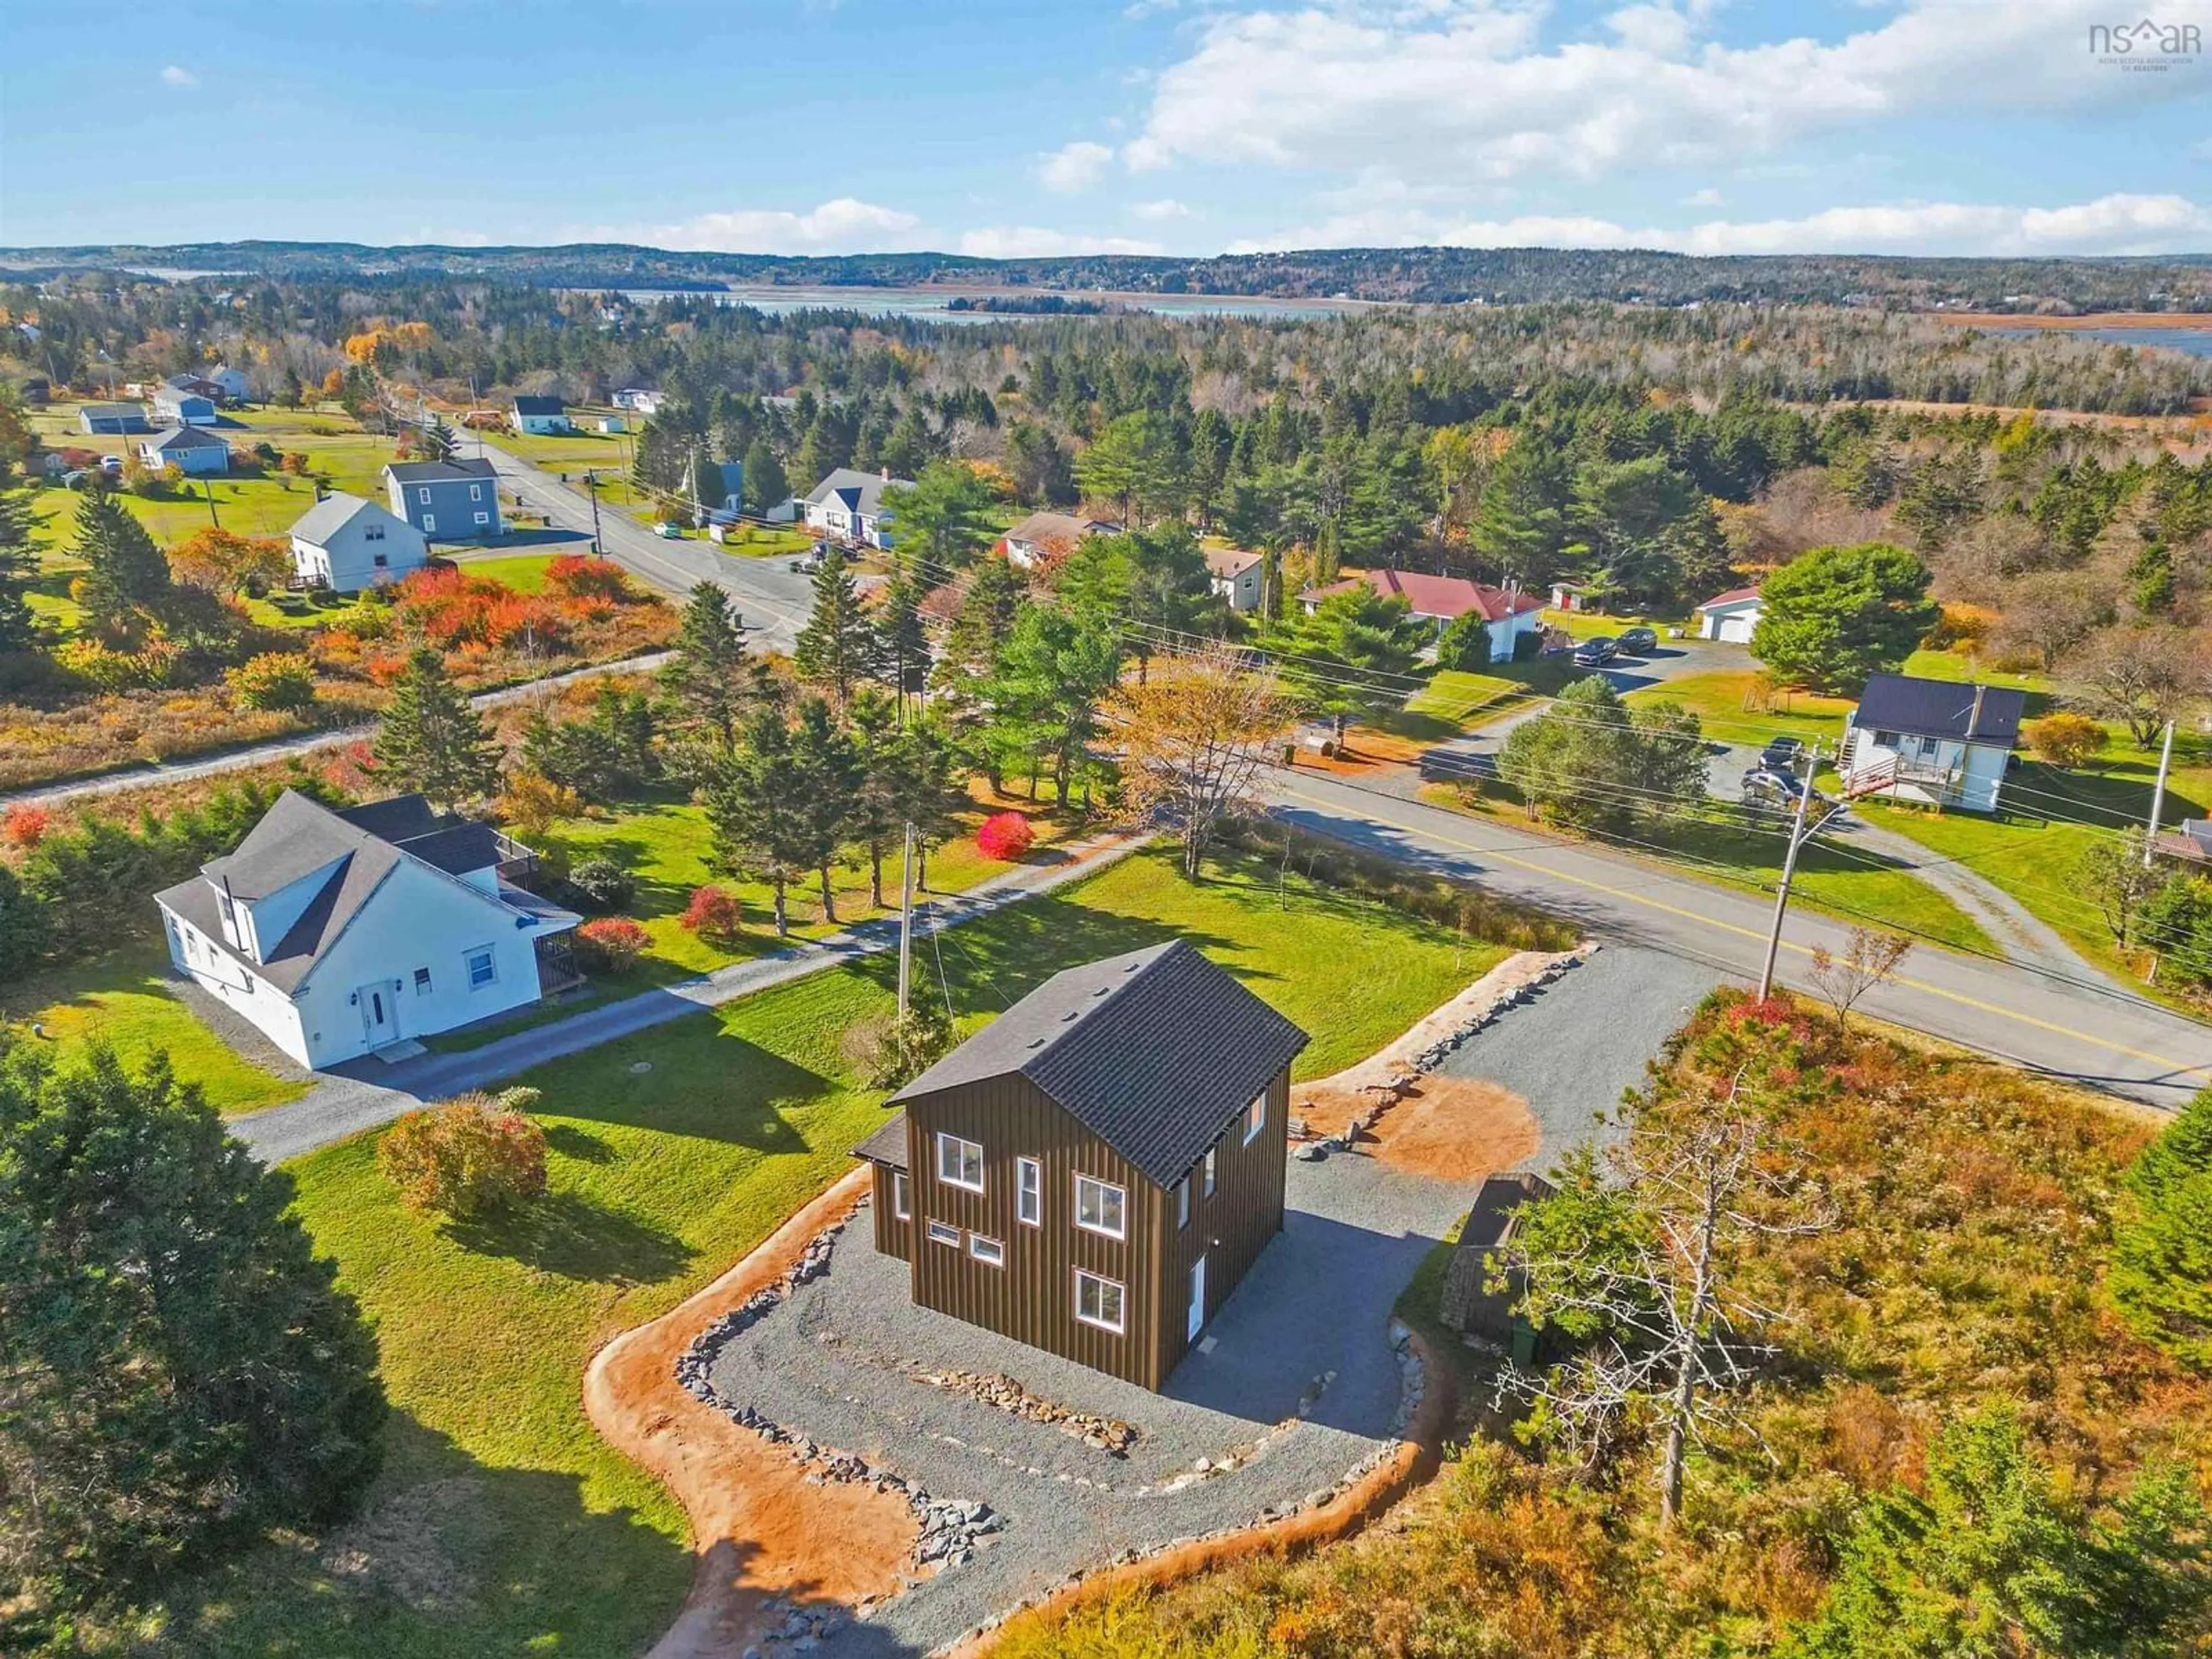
[
  {"x": 223, "y": 561},
  {"x": 1193, "y": 737}
]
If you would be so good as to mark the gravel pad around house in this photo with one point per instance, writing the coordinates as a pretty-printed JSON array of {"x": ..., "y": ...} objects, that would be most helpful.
[{"x": 835, "y": 1360}]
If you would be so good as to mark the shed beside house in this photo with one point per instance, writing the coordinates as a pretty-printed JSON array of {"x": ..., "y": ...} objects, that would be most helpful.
[
  {"x": 1939, "y": 743},
  {"x": 339, "y": 932},
  {"x": 1094, "y": 1172},
  {"x": 1467, "y": 1302},
  {"x": 346, "y": 542},
  {"x": 1576, "y": 596},
  {"x": 230, "y": 383},
  {"x": 1237, "y": 577},
  {"x": 446, "y": 500},
  {"x": 1730, "y": 618},
  {"x": 113, "y": 417},
  {"x": 192, "y": 450},
  {"x": 546, "y": 416}
]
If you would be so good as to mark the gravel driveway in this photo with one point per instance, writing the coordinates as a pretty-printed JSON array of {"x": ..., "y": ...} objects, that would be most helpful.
[{"x": 835, "y": 1361}]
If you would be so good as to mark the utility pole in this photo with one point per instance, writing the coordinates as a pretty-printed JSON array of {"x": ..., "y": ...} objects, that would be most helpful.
[
  {"x": 2157, "y": 793},
  {"x": 592, "y": 488},
  {"x": 906, "y": 922},
  {"x": 1798, "y": 835}
]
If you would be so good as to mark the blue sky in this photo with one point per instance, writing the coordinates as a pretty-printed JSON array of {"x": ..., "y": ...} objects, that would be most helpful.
[{"x": 1044, "y": 127}]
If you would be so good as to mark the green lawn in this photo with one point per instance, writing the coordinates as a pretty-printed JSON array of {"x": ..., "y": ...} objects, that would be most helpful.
[
  {"x": 1731, "y": 709},
  {"x": 572, "y": 451},
  {"x": 667, "y": 846},
  {"x": 1455, "y": 699},
  {"x": 523, "y": 571},
  {"x": 129, "y": 1001},
  {"x": 508, "y": 1526}
]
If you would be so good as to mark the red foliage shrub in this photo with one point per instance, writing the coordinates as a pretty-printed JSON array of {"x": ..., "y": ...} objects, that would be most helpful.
[
  {"x": 1004, "y": 835},
  {"x": 26, "y": 824},
  {"x": 611, "y": 944},
  {"x": 714, "y": 914},
  {"x": 582, "y": 577},
  {"x": 474, "y": 1154}
]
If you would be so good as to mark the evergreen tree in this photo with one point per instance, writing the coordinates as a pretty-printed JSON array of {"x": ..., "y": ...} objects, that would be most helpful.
[
  {"x": 837, "y": 647},
  {"x": 126, "y": 583},
  {"x": 760, "y": 826},
  {"x": 705, "y": 484},
  {"x": 440, "y": 442},
  {"x": 1519, "y": 526},
  {"x": 19, "y": 568},
  {"x": 1836, "y": 615},
  {"x": 1134, "y": 463},
  {"x": 709, "y": 678},
  {"x": 1038, "y": 464},
  {"x": 941, "y": 519},
  {"x": 1355, "y": 654},
  {"x": 180, "y": 1368},
  {"x": 433, "y": 739},
  {"x": 1054, "y": 667},
  {"x": 903, "y": 647},
  {"x": 826, "y": 773},
  {"x": 923, "y": 779},
  {"x": 876, "y": 824},
  {"x": 2161, "y": 1273},
  {"x": 766, "y": 486}
]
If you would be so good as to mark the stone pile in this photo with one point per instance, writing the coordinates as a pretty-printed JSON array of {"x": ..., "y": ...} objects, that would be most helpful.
[
  {"x": 1413, "y": 1377},
  {"x": 798, "y": 1630},
  {"x": 1107, "y": 1434}
]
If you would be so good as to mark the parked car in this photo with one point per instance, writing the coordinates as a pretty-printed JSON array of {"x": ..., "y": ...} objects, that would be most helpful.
[
  {"x": 669, "y": 532},
  {"x": 110, "y": 463},
  {"x": 1638, "y": 642},
  {"x": 1595, "y": 653},
  {"x": 1782, "y": 754},
  {"x": 1764, "y": 787}
]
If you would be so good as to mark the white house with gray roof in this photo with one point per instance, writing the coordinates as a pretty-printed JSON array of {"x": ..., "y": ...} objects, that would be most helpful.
[
  {"x": 337, "y": 933},
  {"x": 345, "y": 543},
  {"x": 851, "y": 504}
]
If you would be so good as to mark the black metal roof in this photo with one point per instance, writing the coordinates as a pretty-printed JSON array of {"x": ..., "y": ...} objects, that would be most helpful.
[
  {"x": 1154, "y": 1052},
  {"x": 441, "y": 471},
  {"x": 539, "y": 406},
  {"x": 1940, "y": 708},
  {"x": 887, "y": 1146}
]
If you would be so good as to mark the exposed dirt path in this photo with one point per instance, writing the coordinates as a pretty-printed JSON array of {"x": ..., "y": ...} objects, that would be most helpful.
[{"x": 761, "y": 1532}]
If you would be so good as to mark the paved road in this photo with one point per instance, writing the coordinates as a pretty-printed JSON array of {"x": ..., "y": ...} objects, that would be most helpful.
[
  {"x": 230, "y": 760},
  {"x": 773, "y": 598},
  {"x": 367, "y": 1092},
  {"x": 2085, "y": 1032}
]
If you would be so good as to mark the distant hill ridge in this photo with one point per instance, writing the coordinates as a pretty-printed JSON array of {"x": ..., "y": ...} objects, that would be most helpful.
[{"x": 1499, "y": 275}]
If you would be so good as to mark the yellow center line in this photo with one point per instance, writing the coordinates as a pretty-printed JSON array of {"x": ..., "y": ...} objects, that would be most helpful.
[{"x": 1651, "y": 904}]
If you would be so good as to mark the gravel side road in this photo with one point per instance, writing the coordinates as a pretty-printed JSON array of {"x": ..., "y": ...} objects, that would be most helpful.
[{"x": 837, "y": 1359}]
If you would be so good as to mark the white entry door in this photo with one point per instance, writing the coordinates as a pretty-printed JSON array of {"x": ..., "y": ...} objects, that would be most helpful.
[
  {"x": 379, "y": 1012},
  {"x": 1197, "y": 1298}
]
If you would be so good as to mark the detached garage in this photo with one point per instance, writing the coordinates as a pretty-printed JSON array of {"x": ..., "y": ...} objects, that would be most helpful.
[{"x": 1730, "y": 617}]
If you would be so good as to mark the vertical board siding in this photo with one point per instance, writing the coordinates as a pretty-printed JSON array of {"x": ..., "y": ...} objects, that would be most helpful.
[
  {"x": 893, "y": 1236},
  {"x": 1032, "y": 1298}
]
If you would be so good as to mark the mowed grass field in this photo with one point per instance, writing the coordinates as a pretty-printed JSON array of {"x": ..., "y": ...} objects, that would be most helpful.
[{"x": 501, "y": 1523}]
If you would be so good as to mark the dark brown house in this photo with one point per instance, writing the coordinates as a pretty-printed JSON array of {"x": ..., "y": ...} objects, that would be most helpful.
[{"x": 1094, "y": 1171}]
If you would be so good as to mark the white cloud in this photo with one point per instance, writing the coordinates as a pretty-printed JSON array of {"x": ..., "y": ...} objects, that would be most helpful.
[
  {"x": 2121, "y": 224},
  {"x": 843, "y": 226},
  {"x": 1706, "y": 197},
  {"x": 1472, "y": 91},
  {"x": 1074, "y": 167},
  {"x": 175, "y": 76},
  {"x": 1028, "y": 242},
  {"x": 1166, "y": 208}
]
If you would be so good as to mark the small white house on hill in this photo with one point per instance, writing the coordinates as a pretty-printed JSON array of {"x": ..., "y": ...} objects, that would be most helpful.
[
  {"x": 852, "y": 506},
  {"x": 1236, "y": 576},
  {"x": 546, "y": 416},
  {"x": 191, "y": 449},
  {"x": 1043, "y": 537},
  {"x": 1936, "y": 742},
  {"x": 1730, "y": 617},
  {"x": 346, "y": 542},
  {"x": 337, "y": 934}
]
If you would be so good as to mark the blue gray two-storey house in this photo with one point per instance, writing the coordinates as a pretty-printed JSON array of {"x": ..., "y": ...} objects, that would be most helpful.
[{"x": 446, "y": 500}]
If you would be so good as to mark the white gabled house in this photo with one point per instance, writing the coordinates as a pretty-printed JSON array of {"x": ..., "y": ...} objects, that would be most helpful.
[
  {"x": 1730, "y": 618},
  {"x": 1937, "y": 742},
  {"x": 1237, "y": 575},
  {"x": 1041, "y": 537},
  {"x": 348, "y": 544},
  {"x": 851, "y": 506},
  {"x": 339, "y": 932}
]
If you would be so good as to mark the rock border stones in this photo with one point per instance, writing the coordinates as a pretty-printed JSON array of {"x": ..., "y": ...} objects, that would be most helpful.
[{"x": 1003, "y": 1393}]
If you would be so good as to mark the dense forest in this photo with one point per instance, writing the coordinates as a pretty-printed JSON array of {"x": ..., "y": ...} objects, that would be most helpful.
[{"x": 1440, "y": 275}]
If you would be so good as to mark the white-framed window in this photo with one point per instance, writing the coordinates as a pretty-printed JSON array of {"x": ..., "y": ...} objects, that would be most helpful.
[
  {"x": 1255, "y": 1116},
  {"x": 1028, "y": 1191},
  {"x": 902, "y": 1196},
  {"x": 1101, "y": 1207},
  {"x": 959, "y": 1162},
  {"x": 482, "y": 967},
  {"x": 987, "y": 1249},
  {"x": 423, "y": 497},
  {"x": 1098, "y": 1302},
  {"x": 945, "y": 1235},
  {"x": 484, "y": 517},
  {"x": 421, "y": 982},
  {"x": 1182, "y": 1202},
  {"x": 373, "y": 533},
  {"x": 429, "y": 523},
  {"x": 476, "y": 492},
  {"x": 1212, "y": 1154}
]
